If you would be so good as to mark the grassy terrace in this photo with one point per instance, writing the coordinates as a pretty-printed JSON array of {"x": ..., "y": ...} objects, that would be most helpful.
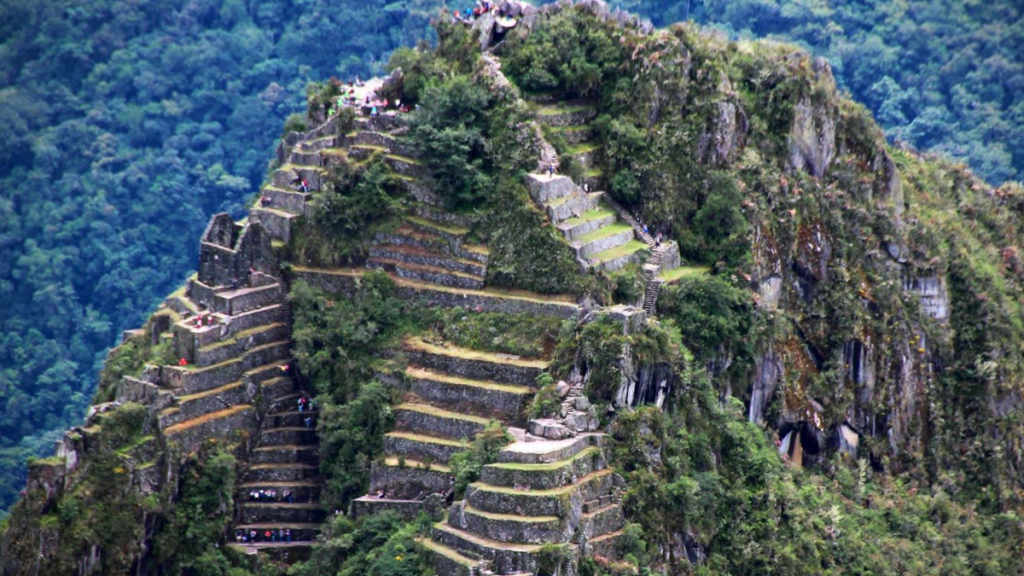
[
  {"x": 511, "y": 517},
  {"x": 420, "y": 373},
  {"x": 446, "y": 552},
  {"x": 341, "y": 152},
  {"x": 404, "y": 159},
  {"x": 417, "y": 343},
  {"x": 556, "y": 109},
  {"x": 676, "y": 274},
  {"x": 240, "y": 335},
  {"x": 589, "y": 216},
  {"x": 619, "y": 251},
  {"x": 439, "y": 413},
  {"x": 290, "y": 166},
  {"x": 454, "y": 230},
  {"x": 208, "y": 393},
  {"x": 189, "y": 424},
  {"x": 370, "y": 147},
  {"x": 547, "y": 466},
  {"x": 542, "y": 493},
  {"x": 428, "y": 439},
  {"x": 560, "y": 299},
  {"x": 559, "y": 201},
  {"x": 279, "y": 212},
  {"x": 582, "y": 148},
  {"x": 487, "y": 542},
  {"x": 415, "y": 464},
  {"x": 602, "y": 233}
]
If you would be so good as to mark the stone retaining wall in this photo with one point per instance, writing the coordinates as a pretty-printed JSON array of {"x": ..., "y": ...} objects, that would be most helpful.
[
  {"x": 508, "y": 529},
  {"x": 190, "y": 439},
  {"x": 606, "y": 243},
  {"x": 425, "y": 423},
  {"x": 500, "y": 475},
  {"x": 407, "y": 482},
  {"x": 475, "y": 369}
]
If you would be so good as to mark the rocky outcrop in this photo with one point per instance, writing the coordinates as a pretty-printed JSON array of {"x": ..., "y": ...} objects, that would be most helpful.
[{"x": 812, "y": 136}]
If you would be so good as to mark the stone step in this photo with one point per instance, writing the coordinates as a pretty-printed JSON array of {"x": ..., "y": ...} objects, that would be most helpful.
[
  {"x": 192, "y": 380},
  {"x": 262, "y": 512},
  {"x": 303, "y": 491},
  {"x": 568, "y": 207},
  {"x": 453, "y": 234},
  {"x": 327, "y": 129},
  {"x": 370, "y": 504},
  {"x": 286, "y": 199},
  {"x": 371, "y": 138},
  {"x": 418, "y": 189},
  {"x": 584, "y": 155},
  {"x": 288, "y": 177},
  {"x": 505, "y": 557},
  {"x": 301, "y": 531},
  {"x": 606, "y": 545},
  {"x": 558, "y": 501},
  {"x": 276, "y": 390},
  {"x": 269, "y": 373},
  {"x": 447, "y": 561},
  {"x": 566, "y": 114},
  {"x": 546, "y": 188},
  {"x": 299, "y": 157},
  {"x": 586, "y": 223},
  {"x": 282, "y": 454},
  {"x": 196, "y": 405},
  {"x": 433, "y": 421},
  {"x": 238, "y": 344},
  {"x": 414, "y": 480},
  {"x": 360, "y": 152},
  {"x": 433, "y": 213},
  {"x": 405, "y": 166},
  {"x": 241, "y": 300},
  {"x": 288, "y": 436},
  {"x": 283, "y": 552},
  {"x": 604, "y": 520},
  {"x": 282, "y": 472},
  {"x": 381, "y": 122},
  {"x": 277, "y": 222},
  {"x": 426, "y": 257},
  {"x": 542, "y": 452},
  {"x": 615, "y": 258},
  {"x": 270, "y": 314},
  {"x": 344, "y": 280},
  {"x": 430, "y": 274},
  {"x": 510, "y": 528},
  {"x": 317, "y": 144},
  {"x": 544, "y": 476},
  {"x": 473, "y": 364},
  {"x": 483, "y": 398},
  {"x": 602, "y": 239},
  {"x": 285, "y": 403},
  {"x": 422, "y": 448},
  {"x": 220, "y": 424},
  {"x": 575, "y": 134},
  {"x": 292, "y": 419}
]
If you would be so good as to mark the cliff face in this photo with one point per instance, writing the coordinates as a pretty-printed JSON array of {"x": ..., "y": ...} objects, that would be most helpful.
[{"x": 859, "y": 302}]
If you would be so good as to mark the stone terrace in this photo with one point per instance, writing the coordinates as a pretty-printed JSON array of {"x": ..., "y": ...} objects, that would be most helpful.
[
  {"x": 451, "y": 394},
  {"x": 542, "y": 492}
]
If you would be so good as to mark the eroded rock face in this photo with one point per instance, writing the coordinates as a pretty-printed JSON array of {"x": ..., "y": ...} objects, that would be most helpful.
[
  {"x": 767, "y": 374},
  {"x": 812, "y": 137},
  {"x": 726, "y": 134}
]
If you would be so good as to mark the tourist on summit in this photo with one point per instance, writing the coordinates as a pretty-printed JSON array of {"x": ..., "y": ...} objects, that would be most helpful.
[{"x": 373, "y": 111}]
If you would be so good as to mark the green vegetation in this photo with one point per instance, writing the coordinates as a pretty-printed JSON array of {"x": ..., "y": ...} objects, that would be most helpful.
[
  {"x": 466, "y": 465},
  {"x": 522, "y": 335},
  {"x": 335, "y": 342},
  {"x": 382, "y": 544}
]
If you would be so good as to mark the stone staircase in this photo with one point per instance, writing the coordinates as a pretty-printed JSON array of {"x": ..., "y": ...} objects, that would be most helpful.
[
  {"x": 542, "y": 492},
  {"x": 310, "y": 155},
  {"x": 233, "y": 337},
  {"x": 451, "y": 394},
  {"x": 287, "y": 459}
]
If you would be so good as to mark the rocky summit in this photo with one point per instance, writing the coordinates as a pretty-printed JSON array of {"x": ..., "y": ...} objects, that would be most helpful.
[{"x": 567, "y": 295}]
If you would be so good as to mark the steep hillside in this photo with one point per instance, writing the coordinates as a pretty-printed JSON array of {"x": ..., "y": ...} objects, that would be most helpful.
[{"x": 605, "y": 300}]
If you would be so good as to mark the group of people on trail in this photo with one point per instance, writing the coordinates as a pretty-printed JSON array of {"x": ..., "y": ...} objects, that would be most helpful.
[
  {"x": 305, "y": 403},
  {"x": 269, "y": 495},
  {"x": 482, "y": 7},
  {"x": 264, "y": 535}
]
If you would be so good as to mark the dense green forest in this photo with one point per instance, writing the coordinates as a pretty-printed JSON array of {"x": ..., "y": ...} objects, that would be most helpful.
[{"x": 123, "y": 126}]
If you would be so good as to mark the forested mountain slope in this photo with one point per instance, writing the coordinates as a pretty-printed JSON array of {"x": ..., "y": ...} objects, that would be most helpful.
[
  {"x": 123, "y": 125},
  {"x": 448, "y": 326}
]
